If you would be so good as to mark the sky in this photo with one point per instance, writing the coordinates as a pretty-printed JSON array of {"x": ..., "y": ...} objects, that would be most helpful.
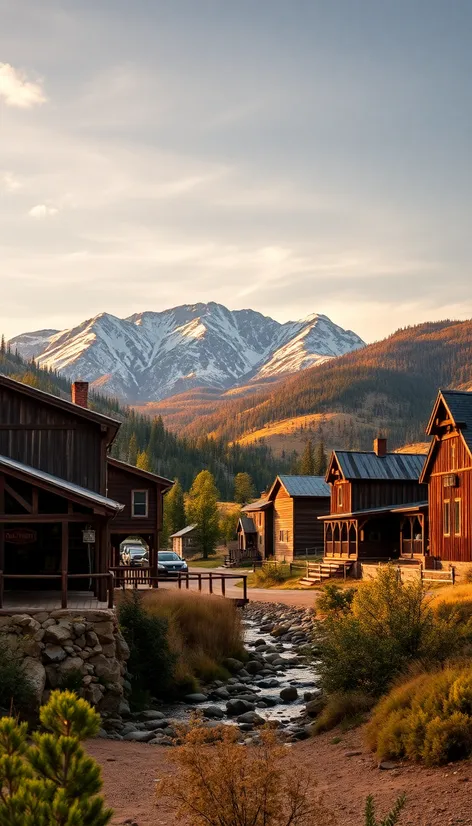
[{"x": 292, "y": 156}]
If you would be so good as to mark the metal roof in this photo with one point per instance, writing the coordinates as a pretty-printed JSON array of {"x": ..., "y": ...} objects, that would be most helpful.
[
  {"x": 146, "y": 474},
  {"x": 247, "y": 524},
  {"x": 367, "y": 465},
  {"x": 67, "y": 487},
  {"x": 256, "y": 506},
  {"x": 305, "y": 485},
  {"x": 411, "y": 506},
  {"x": 184, "y": 531},
  {"x": 459, "y": 403}
]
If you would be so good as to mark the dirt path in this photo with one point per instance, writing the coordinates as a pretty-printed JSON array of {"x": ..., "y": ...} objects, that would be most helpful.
[{"x": 436, "y": 797}]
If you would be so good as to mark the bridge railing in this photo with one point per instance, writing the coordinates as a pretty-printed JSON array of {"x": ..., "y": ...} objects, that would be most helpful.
[{"x": 208, "y": 581}]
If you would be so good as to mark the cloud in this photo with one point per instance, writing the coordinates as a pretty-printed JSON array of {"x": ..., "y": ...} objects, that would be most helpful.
[
  {"x": 42, "y": 211},
  {"x": 9, "y": 182},
  {"x": 17, "y": 90}
]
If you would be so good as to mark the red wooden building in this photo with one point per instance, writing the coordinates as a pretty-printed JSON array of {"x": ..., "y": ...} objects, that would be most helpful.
[
  {"x": 448, "y": 474},
  {"x": 378, "y": 506}
]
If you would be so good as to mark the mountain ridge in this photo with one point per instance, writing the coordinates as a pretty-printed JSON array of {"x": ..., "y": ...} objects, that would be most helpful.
[{"x": 152, "y": 355}]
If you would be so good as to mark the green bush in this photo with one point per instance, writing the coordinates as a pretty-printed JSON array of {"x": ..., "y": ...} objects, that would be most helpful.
[
  {"x": 16, "y": 691},
  {"x": 52, "y": 780},
  {"x": 151, "y": 663},
  {"x": 272, "y": 575},
  {"x": 390, "y": 625},
  {"x": 347, "y": 710},
  {"x": 335, "y": 600},
  {"x": 427, "y": 719}
]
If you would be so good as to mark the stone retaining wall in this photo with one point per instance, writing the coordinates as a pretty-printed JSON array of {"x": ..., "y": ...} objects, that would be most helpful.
[{"x": 63, "y": 648}]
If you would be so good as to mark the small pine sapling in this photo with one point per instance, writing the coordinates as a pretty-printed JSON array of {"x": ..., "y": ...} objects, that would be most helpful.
[{"x": 389, "y": 820}]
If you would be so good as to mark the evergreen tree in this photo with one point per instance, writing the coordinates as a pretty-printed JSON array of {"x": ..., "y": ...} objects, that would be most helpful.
[
  {"x": 174, "y": 513},
  {"x": 143, "y": 461},
  {"x": 243, "y": 488},
  {"x": 51, "y": 781},
  {"x": 307, "y": 462},
  {"x": 133, "y": 450},
  {"x": 202, "y": 509},
  {"x": 321, "y": 460},
  {"x": 2, "y": 345}
]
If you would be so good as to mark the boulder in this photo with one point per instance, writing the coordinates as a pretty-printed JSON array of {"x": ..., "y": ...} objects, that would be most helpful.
[
  {"x": 54, "y": 654},
  {"x": 222, "y": 693},
  {"x": 155, "y": 725},
  {"x": 151, "y": 714},
  {"x": 58, "y": 634},
  {"x": 214, "y": 712},
  {"x": 139, "y": 736},
  {"x": 94, "y": 693},
  {"x": 108, "y": 670},
  {"x": 233, "y": 665},
  {"x": 238, "y": 706},
  {"x": 194, "y": 699},
  {"x": 36, "y": 674},
  {"x": 254, "y": 667},
  {"x": 314, "y": 707},
  {"x": 251, "y": 717},
  {"x": 289, "y": 694},
  {"x": 70, "y": 665}
]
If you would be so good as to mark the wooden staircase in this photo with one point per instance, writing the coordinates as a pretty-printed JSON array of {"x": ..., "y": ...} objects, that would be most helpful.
[{"x": 317, "y": 572}]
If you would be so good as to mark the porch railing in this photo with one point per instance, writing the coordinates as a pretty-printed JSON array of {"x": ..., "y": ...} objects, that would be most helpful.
[{"x": 63, "y": 578}]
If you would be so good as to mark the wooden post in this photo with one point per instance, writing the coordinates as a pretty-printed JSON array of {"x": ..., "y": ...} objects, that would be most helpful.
[
  {"x": 1, "y": 589},
  {"x": 180, "y": 581},
  {"x": 199, "y": 582},
  {"x": 2, "y": 526},
  {"x": 210, "y": 582},
  {"x": 111, "y": 589},
  {"x": 64, "y": 562},
  {"x": 245, "y": 588},
  {"x": 102, "y": 562},
  {"x": 187, "y": 583},
  {"x": 223, "y": 586}
]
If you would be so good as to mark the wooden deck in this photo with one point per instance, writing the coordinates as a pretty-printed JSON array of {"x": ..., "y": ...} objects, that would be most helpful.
[{"x": 50, "y": 601}]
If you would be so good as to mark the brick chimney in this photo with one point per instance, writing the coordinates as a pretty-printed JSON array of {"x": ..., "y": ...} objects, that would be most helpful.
[
  {"x": 380, "y": 447},
  {"x": 80, "y": 393}
]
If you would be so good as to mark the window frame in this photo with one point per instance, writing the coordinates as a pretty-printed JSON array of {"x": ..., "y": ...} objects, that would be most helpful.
[
  {"x": 340, "y": 496},
  {"x": 457, "y": 516},
  {"x": 446, "y": 517},
  {"x": 144, "y": 515}
]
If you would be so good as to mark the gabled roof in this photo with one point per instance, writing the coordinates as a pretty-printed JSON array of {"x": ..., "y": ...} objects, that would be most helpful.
[
  {"x": 365, "y": 465},
  {"x": 184, "y": 531},
  {"x": 57, "y": 485},
  {"x": 458, "y": 406},
  {"x": 258, "y": 505},
  {"x": 111, "y": 425},
  {"x": 247, "y": 524},
  {"x": 144, "y": 474},
  {"x": 308, "y": 486}
]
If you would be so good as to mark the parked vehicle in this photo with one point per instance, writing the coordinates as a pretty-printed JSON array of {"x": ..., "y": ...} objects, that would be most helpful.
[
  {"x": 170, "y": 563},
  {"x": 135, "y": 555}
]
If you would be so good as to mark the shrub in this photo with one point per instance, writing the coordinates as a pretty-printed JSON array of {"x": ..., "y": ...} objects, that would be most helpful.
[
  {"x": 16, "y": 691},
  {"x": 202, "y": 632},
  {"x": 151, "y": 663},
  {"x": 232, "y": 784},
  {"x": 428, "y": 718},
  {"x": 335, "y": 600},
  {"x": 52, "y": 780},
  {"x": 270, "y": 575},
  {"x": 390, "y": 625},
  {"x": 346, "y": 709}
]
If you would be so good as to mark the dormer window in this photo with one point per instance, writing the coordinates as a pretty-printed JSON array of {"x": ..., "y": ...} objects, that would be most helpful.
[{"x": 139, "y": 503}]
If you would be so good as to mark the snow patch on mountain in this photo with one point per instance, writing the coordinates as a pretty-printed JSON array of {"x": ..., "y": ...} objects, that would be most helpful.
[{"x": 152, "y": 355}]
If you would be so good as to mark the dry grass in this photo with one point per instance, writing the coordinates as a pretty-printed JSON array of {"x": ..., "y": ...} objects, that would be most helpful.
[
  {"x": 348, "y": 710},
  {"x": 203, "y": 631},
  {"x": 452, "y": 593}
]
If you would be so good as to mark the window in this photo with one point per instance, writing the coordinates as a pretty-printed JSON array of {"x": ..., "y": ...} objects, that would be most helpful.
[
  {"x": 447, "y": 517},
  {"x": 340, "y": 496},
  {"x": 457, "y": 517},
  {"x": 453, "y": 457},
  {"x": 139, "y": 503},
  {"x": 283, "y": 536}
]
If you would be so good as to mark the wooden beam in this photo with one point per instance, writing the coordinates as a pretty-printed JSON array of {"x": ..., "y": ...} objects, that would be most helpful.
[
  {"x": 18, "y": 498},
  {"x": 17, "y": 426},
  {"x": 32, "y": 518},
  {"x": 64, "y": 561},
  {"x": 35, "y": 501}
]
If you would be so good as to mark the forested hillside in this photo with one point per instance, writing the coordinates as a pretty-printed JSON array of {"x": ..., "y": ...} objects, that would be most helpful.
[
  {"x": 388, "y": 386},
  {"x": 147, "y": 439}
]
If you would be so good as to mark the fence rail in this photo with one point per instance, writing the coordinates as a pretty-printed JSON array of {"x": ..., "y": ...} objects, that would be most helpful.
[
  {"x": 63, "y": 577},
  {"x": 133, "y": 577}
]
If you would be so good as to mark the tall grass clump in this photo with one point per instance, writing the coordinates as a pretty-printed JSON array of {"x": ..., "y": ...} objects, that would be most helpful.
[
  {"x": 270, "y": 575},
  {"x": 388, "y": 626},
  {"x": 202, "y": 632},
  {"x": 426, "y": 719}
]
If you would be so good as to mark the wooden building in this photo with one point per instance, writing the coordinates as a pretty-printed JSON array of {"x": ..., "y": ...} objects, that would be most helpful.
[
  {"x": 247, "y": 538},
  {"x": 142, "y": 494},
  {"x": 57, "y": 512},
  {"x": 448, "y": 474},
  {"x": 378, "y": 506},
  {"x": 185, "y": 542},
  {"x": 261, "y": 513},
  {"x": 297, "y": 502}
]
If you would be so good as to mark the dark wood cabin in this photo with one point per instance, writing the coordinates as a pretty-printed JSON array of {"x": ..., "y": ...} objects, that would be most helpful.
[
  {"x": 142, "y": 495},
  {"x": 247, "y": 537},
  {"x": 378, "y": 506},
  {"x": 448, "y": 474},
  {"x": 61, "y": 437},
  {"x": 185, "y": 542},
  {"x": 261, "y": 512},
  {"x": 297, "y": 503}
]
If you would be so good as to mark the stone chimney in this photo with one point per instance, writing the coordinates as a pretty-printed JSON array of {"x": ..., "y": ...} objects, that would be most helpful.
[
  {"x": 80, "y": 393},
  {"x": 380, "y": 447}
]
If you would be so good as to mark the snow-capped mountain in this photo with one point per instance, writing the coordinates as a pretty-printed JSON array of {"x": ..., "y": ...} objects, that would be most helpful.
[{"x": 153, "y": 355}]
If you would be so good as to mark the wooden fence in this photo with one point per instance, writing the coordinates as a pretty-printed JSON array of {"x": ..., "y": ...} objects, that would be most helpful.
[{"x": 209, "y": 581}]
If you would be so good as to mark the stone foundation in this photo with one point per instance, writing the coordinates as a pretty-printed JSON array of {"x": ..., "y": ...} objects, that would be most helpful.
[{"x": 82, "y": 650}]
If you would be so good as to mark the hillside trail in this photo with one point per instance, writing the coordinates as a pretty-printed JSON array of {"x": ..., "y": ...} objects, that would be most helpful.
[{"x": 435, "y": 797}]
